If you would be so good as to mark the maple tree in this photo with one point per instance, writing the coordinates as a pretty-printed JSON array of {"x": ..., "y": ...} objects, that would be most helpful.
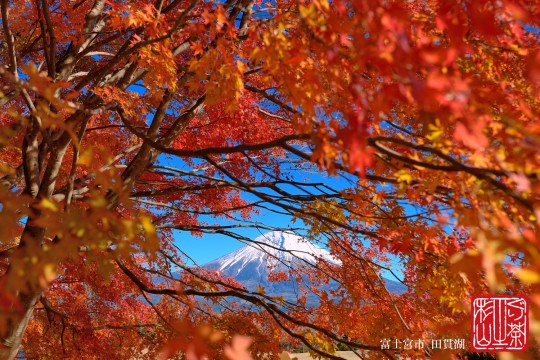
[{"x": 125, "y": 123}]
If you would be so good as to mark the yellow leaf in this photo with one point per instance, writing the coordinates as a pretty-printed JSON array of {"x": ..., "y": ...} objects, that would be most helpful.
[
  {"x": 435, "y": 133},
  {"x": 147, "y": 225},
  {"x": 528, "y": 276},
  {"x": 242, "y": 67},
  {"x": 323, "y": 5},
  {"x": 404, "y": 176},
  {"x": 49, "y": 205},
  {"x": 98, "y": 202},
  {"x": 49, "y": 272},
  {"x": 85, "y": 158}
]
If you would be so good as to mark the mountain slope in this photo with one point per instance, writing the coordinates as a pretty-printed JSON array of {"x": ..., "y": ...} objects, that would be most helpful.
[{"x": 249, "y": 265}]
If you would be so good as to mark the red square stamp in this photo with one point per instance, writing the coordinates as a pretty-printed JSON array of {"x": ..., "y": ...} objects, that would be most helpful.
[{"x": 500, "y": 323}]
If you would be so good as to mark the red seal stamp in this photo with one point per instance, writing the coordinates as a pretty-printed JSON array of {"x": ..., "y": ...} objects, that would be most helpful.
[{"x": 500, "y": 323}]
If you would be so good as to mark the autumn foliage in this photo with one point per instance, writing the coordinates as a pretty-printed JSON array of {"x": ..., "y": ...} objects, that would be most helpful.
[{"x": 125, "y": 124}]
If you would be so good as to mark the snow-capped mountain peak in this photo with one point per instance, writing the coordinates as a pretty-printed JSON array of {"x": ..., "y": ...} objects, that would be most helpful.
[
  {"x": 270, "y": 249},
  {"x": 279, "y": 250}
]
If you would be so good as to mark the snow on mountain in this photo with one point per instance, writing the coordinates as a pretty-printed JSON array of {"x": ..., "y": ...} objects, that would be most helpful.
[
  {"x": 270, "y": 249},
  {"x": 249, "y": 264}
]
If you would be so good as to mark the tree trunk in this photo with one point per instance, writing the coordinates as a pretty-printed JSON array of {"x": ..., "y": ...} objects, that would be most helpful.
[{"x": 12, "y": 342}]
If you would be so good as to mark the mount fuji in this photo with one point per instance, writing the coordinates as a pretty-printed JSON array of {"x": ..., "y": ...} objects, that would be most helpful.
[{"x": 281, "y": 251}]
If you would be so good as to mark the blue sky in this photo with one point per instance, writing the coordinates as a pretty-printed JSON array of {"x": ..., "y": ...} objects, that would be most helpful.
[{"x": 211, "y": 246}]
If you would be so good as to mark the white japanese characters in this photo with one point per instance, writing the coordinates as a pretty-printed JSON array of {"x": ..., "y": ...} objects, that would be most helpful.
[{"x": 421, "y": 344}]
